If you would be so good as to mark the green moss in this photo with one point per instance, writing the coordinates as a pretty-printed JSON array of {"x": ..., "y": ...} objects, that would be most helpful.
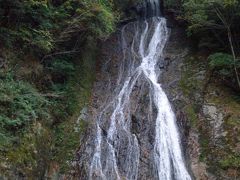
[
  {"x": 67, "y": 137},
  {"x": 186, "y": 88},
  {"x": 24, "y": 155},
  {"x": 225, "y": 96},
  {"x": 30, "y": 154},
  {"x": 231, "y": 161},
  {"x": 204, "y": 143},
  {"x": 221, "y": 154},
  {"x": 189, "y": 83},
  {"x": 233, "y": 122},
  {"x": 192, "y": 115}
]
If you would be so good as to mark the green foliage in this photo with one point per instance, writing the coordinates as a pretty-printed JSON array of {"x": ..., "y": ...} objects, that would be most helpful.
[
  {"x": 208, "y": 14},
  {"x": 64, "y": 106},
  {"x": 53, "y": 34},
  {"x": 66, "y": 142},
  {"x": 26, "y": 24},
  {"x": 62, "y": 67},
  {"x": 94, "y": 18},
  {"x": 217, "y": 19},
  {"x": 223, "y": 63},
  {"x": 220, "y": 60},
  {"x": 175, "y": 4},
  {"x": 38, "y": 26},
  {"x": 77, "y": 93},
  {"x": 104, "y": 21},
  {"x": 20, "y": 106}
]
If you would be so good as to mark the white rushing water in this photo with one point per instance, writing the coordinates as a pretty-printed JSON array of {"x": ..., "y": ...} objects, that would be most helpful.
[{"x": 167, "y": 155}]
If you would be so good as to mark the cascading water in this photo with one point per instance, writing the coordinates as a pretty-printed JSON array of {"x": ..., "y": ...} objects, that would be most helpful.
[
  {"x": 152, "y": 8},
  {"x": 117, "y": 150}
]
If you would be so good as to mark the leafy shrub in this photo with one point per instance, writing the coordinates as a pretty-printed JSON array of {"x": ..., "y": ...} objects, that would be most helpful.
[
  {"x": 226, "y": 68},
  {"x": 94, "y": 18},
  {"x": 67, "y": 103},
  {"x": 20, "y": 106},
  {"x": 62, "y": 67},
  {"x": 220, "y": 60},
  {"x": 26, "y": 24},
  {"x": 37, "y": 25},
  {"x": 103, "y": 22},
  {"x": 222, "y": 63}
]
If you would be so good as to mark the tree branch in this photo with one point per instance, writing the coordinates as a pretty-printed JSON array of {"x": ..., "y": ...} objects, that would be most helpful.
[{"x": 59, "y": 53}]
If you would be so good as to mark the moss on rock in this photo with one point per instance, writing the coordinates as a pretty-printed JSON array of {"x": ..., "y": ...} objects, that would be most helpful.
[
  {"x": 219, "y": 141},
  {"x": 47, "y": 146}
]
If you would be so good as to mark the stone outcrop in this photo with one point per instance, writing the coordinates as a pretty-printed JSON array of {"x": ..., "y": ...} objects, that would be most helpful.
[
  {"x": 207, "y": 115},
  {"x": 206, "y": 111}
]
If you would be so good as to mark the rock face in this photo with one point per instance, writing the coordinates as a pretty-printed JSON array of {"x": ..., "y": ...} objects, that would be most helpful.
[
  {"x": 207, "y": 115},
  {"x": 132, "y": 102},
  {"x": 147, "y": 8},
  {"x": 206, "y": 111},
  {"x": 176, "y": 52},
  {"x": 215, "y": 118}
]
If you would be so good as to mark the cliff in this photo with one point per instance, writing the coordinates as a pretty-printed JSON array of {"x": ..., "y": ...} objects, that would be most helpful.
[{"x": 207, "y": 113}]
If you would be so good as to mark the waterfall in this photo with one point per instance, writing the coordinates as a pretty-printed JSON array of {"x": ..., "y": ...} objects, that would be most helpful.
[
  {"x": 117, "y": 149},
  {"x": 151, "y": 8}
]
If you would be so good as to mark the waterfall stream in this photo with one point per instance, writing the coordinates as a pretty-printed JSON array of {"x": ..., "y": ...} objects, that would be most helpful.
[{"x": 117, "y": 150}]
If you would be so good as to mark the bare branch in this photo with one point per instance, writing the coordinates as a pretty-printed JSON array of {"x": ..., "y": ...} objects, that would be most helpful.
[{"x": 59, "y": 53}]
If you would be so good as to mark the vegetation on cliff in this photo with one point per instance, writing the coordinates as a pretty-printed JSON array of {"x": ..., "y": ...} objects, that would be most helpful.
[
  {"x": 47, "y": 61},
  {"x": 210, "y": 81},
  {"x": 48, "y": 51},
  {"x": 214, "y": 24}
]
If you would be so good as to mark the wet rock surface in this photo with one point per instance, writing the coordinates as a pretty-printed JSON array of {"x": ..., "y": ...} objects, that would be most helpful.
[
  {"x": 141, "y": 113},
  {"x": 203, "y": 110},
  {"x": 209, "y": 128}
]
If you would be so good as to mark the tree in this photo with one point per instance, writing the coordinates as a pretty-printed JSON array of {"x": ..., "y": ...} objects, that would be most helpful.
[
  {"x": 218, "y": 16},
  {"x": 42, "y": 27}
]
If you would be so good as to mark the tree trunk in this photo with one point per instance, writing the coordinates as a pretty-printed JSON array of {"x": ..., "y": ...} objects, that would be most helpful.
[{"x": 234, "y": 55}]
